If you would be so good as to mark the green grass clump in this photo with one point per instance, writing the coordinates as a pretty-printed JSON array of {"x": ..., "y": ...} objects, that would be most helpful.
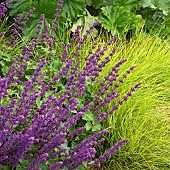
[{"x": 145, "y": 117}]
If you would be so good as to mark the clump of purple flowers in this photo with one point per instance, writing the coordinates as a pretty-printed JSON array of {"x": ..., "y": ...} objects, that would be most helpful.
[{"x": 42, "y": 133}]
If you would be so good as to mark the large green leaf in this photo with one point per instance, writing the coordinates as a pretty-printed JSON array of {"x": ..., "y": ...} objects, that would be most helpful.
[
  {"x": 19, "y": 6},
  {"x": 74, "y": 9},
  {"x": 119, "y": 20},
  {"x": 129, "y": 4},
  {"x": 47, "y": 7}
]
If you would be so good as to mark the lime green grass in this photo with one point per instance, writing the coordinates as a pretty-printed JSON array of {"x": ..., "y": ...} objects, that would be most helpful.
[{"x": 145, "y": 117}]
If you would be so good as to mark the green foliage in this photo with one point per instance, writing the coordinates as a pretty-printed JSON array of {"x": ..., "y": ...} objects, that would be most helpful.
[
  {"x": 19, "y": 6},
  {"x": 73, "y": 9},
  {"x": 89, "y": 117},
  {"x": 6, "y": 55},
  {"x": 119, "y": 20},
  {"x": 48, "y": 8},
  {"x": 70, "y": 11},
  {"x": 159, "y": 4},
  {"x": 118, "y": 16},
  {"x": 131, "y": 5},
  {"x": 23, "y": 165}
]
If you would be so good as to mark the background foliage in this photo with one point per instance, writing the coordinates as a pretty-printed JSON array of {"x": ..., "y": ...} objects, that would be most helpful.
[{"x": 119, "y": 17}]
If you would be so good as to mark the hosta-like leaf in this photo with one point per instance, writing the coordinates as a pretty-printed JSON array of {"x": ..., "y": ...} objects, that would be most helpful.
[
  {"x": 56, "y": 66},
  {"x": 119, "y": 20},
  {"x": 74, "y": 9}
]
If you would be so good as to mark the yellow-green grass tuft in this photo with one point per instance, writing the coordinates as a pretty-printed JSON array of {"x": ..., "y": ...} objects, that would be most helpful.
[{"x": 145, "y": 117}]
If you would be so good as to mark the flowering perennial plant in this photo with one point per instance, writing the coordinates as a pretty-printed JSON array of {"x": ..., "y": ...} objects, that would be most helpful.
[{"x": 42, "y": 124}]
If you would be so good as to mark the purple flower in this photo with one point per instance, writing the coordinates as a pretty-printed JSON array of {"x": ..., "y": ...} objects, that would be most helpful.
[
  {"x": 1, "y": 34},
  {"x": 113, "y": 149},
  {"x": 42, "y": 17},
  {"x": 102, "y": 116},
  {"x": 3, "y": 10},
  {"x": 58, "y": 10},
  {"x": 76, "y": 132}
]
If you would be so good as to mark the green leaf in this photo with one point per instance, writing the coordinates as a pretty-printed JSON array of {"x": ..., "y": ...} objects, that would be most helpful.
[
  {"x": 22, "y": 165},
  {"x": 27, "y": 77},
  {"x": 30, "y": 28},
  {"x": 48, "y": 93},
  {"x": 43, "y": 166},
  {"x": 149, "y": 3},
  {"x": 19, "y": 6},
  {"x": 5, "y": 167},
  {"x": 96, "y": 128},
  {"x": 4, "y": 69},
  {"x": 73, "y": 144},
  {"x": 5, "y": 101},
  {"x": 73, "y": 9},
  {"x": 2, "y": 63},
  {"x": 128, "y": 4},
  {"x": 56, "y": 65},
  {"x": 119, "y": 20},
  {"x": 39, "y": 102},
  {"x": 80, "y": 105},
  {"x": 47, "y": 7},
  {"x": 88, "y": 125},
  {"x": 88, "y": 116},
  {"x": 6, "y": 56},
  {"x": 153, "y": 17},
  {"x": 13, "y": 92},
  {"x": 74, "y": 111}
]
